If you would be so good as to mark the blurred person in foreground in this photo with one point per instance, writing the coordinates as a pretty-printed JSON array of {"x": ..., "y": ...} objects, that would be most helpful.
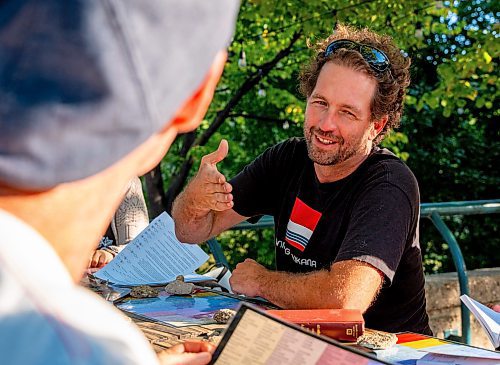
[
  {"x": 92, "y": 94},
  {"x": 346, "y": 212}
]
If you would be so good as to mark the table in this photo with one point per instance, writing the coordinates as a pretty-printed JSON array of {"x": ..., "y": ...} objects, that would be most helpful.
[
  {"x": 406, "y": 352},
  {"x": 410, "y": 346},
  {"x": 162, "y": 336}
]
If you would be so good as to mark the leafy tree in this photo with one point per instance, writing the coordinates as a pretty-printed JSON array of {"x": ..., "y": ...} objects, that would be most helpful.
[{"x": 451, "y": 112}]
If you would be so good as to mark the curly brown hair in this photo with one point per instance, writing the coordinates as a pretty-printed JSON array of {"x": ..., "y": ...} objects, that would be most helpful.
[{"x": 389, "y": 95}]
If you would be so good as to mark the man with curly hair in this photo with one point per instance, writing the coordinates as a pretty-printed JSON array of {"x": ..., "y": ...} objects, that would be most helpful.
[{"x": 346, "y": 212}]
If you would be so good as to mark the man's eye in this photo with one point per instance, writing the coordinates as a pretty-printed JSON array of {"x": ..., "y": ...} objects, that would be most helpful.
[
  {"x": 319, "y": 102},
  {"x": 348, "y": 113}
]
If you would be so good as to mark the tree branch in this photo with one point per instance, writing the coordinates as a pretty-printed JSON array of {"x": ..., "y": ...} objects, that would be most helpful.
[
  {"x": 155, "y": 192},
  {"x": 264, "y": 118},
  {"x": 252, "y": 81},
  {"x": 178, "y": 182}
]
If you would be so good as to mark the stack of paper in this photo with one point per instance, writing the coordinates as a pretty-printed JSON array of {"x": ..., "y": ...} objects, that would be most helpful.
[{"x": 155, "y": 256}]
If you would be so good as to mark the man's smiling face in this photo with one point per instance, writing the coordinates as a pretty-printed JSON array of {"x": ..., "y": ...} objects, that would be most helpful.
[{"x": 338, "y": 123}]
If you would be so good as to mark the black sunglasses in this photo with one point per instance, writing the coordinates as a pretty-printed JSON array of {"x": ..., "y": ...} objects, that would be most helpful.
[{"x": 377, "y": 59}]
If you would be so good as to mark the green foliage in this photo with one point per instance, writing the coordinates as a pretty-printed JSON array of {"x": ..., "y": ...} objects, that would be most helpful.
[
  {"x": 449, "y": 134},
  {"x": 477, "y": 237}
]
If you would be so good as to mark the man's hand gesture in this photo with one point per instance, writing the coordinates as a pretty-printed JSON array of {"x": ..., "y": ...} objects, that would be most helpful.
[
  {"x": 209, "y": 188},
  {"x": 204, "y": 208}
]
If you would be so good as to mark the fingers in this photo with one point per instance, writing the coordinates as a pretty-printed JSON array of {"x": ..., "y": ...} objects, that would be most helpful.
[
  {"x": 102, "y": 260},
  {"x": 222, "y": 198},
  {"x": 208, "y": 168},
  {"x": 245, "y": 263},
  {"x": 218, "y": 155},
  {"x": 99, "y": 258},
  {"x": 94, "y": 259},
  {"x": 217, "y": 197},
  {"x": 191, "y": 346},
  {"x": 220, "y": 207},
  {"x": 201, "y": 358},
  {"x": 198, "y": 346},
  {"x": 191, "y": 352},
  {"x": 176, "y": 349},
  {"x": 221, "y": 201},
  {"x": 495, "y": 307},
  {"x": 225, "y": 188}
]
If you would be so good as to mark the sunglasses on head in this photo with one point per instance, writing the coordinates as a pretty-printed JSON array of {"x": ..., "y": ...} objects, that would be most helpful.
[{"x": 377, "y": 59}]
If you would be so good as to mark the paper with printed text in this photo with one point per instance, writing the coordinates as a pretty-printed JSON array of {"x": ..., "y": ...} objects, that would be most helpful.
[{"x": 155, "y": 256}]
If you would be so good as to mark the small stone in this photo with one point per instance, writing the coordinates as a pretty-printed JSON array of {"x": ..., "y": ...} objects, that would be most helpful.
[
  {"x": 179, "y": 278},
  {"x": 178, "y": 287},
  {"x": 215, "y": 337},
  {"x": 223, "y": 316},
  {"x": 144, "y": 291},
  {"x": 377, "y": 340}
]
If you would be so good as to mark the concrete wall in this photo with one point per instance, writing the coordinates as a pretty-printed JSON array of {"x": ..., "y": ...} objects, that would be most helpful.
[{"x": 443, "y": 303}]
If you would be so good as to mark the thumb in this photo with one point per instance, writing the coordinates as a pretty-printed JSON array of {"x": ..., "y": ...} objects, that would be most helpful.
[{"x": 219, "y": 154}]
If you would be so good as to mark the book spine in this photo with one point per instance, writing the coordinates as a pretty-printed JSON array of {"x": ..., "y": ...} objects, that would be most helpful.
[{"x": 348, "y": 332}]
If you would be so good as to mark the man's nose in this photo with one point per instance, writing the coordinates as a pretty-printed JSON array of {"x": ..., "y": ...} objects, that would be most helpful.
[{"x": 329, "y": 121}]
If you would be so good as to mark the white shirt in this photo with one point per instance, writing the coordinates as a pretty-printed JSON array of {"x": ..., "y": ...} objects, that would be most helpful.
[{"x": 46, "y": 319}]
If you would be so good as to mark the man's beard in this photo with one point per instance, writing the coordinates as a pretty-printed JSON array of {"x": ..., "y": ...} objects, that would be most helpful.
[{"x": 328, "y": 158}]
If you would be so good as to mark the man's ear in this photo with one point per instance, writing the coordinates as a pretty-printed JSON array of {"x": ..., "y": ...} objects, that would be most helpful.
[
  {"x": 189, "y": 116},
  {"x": 377, "y": 126}
]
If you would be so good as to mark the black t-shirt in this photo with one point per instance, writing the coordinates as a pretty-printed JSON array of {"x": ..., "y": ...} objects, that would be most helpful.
[{"x": 371, "y": 215}]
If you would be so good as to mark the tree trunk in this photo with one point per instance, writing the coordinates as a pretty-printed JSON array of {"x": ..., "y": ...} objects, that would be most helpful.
[{"x": 155, "y": 192}]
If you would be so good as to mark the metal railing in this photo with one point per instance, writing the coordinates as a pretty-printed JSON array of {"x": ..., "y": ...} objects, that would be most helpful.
[{"x": 432, "y": 211}]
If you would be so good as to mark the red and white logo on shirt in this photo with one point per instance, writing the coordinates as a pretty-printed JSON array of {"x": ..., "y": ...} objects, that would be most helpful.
[{"x": 301, "y": 225}]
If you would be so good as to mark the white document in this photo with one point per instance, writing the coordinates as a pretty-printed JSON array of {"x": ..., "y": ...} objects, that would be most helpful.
[
  {"x": 488, "y": 318},
  {"x": 463, "y": 351},
  {"x": 438, "y": 359},
  {"x": 155, "y": 256}
]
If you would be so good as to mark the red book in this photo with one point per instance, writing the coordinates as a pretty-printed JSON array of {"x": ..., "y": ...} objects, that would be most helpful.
[{"x": 339, "y": 324}]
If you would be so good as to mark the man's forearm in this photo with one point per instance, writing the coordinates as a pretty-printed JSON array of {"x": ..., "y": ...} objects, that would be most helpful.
[
  {"x": 192, "y": 225},
  {"x": 348, "y": 284},
  {"x": 304, "y": 291}
]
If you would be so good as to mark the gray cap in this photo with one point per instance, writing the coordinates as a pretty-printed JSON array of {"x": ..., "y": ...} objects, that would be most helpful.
[{"x": 83, "y": 83}]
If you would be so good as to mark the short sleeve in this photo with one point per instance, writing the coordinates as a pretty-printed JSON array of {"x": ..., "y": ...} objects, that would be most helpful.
[{"x": 383, "y": 222}]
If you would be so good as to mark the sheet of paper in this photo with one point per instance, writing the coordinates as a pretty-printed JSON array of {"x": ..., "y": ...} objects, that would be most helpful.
[
  {"x": 488, "y": 318},
  {"x": 196, "y": 278},
  {"x": 465, "y": 351},
  {"x": 438, "y": 359},
  {"x": 400, "y": 354},
  {"x": 155, "y": 256}
]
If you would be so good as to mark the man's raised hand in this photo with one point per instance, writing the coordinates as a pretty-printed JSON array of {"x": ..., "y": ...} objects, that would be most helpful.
[{"x": 210, "y": 187}]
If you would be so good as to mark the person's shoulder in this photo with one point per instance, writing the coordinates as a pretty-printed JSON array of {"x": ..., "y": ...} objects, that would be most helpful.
[
  {"x": 386, "y": 164},
  {"x": 289, "y": 148}
]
